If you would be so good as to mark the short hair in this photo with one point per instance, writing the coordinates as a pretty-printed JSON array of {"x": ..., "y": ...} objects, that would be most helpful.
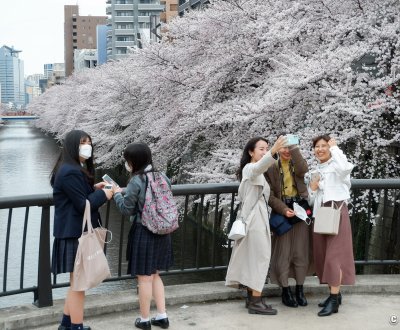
[{"x": 324, "y": 137}]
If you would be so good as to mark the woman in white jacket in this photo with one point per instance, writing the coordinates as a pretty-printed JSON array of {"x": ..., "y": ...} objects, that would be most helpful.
[
  {"x": 333, "y": 254},
  {"x": 251, "y": 255}
]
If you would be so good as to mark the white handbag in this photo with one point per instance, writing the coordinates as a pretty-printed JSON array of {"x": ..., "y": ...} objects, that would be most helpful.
[
  {"x": 327, "y": 220},
  {"x": 238, "y": 229}
]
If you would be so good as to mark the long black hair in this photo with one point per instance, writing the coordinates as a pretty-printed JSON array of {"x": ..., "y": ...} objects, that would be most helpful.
[
  {"x": 70, "y": 154},
  {"x": 138, "y": 155},
  {"x": 246, "y": 158}
]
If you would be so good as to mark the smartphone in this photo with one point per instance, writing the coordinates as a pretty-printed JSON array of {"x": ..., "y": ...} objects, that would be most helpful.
[
  {"x": 107, "y": 186},
  {"x": 108, "y": 179},
  {"x": 292, "y": 139},
  {"x": 315, "y": 176}
]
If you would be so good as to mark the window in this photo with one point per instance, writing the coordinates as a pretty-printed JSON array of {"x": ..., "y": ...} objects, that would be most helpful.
[
  {"x": 74, "y": 19},
  {"x": 144, "y": 25},
  {"x": 125, "y": 13},
  {"x": 121, "y": 50},
  {"x": 124, "y": 26},
  {"x": 125, "y": 38},
  {"x": 74, "y": 34},
  {"x": 74, "y": 26}
]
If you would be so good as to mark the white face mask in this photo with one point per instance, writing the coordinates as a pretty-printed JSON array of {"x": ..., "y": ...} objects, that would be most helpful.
[
  {"x": 128, "y": 168},
  {"x": 85, "y": 151}
]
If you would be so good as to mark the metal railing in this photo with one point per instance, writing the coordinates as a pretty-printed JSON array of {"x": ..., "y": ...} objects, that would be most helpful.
[{"x": 207, "y": 210}]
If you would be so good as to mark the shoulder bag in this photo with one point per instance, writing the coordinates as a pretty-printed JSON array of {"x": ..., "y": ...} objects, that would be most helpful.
[
  {"x": 238, "y": 229},
  {"x": 91, "y": 266}
]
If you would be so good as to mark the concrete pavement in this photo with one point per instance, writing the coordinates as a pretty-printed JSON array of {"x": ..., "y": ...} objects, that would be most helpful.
[{"x": 373, "y": 303}]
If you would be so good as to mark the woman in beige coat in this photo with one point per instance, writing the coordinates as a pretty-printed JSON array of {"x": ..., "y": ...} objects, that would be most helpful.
[{"x": 251, "y": 255}]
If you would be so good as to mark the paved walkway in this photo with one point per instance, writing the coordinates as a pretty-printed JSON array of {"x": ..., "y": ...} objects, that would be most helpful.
[{"x": 370, "y": 304}]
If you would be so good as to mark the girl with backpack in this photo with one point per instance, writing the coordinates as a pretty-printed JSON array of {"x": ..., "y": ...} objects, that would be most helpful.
[{"x": 147, "y": 252}]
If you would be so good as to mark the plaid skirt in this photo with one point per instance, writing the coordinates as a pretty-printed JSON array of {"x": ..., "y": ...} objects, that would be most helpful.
[
  {"x": 64, "y": 252},
  {"x": 146, "y": 252}
]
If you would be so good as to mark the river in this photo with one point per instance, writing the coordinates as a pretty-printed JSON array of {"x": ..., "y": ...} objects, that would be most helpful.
[{"x": 27, "y": 157}]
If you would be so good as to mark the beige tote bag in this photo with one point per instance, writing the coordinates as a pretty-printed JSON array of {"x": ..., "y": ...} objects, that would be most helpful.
[
  {"x": 91, "y": 266},
  {"x": 327, "y": 220}
]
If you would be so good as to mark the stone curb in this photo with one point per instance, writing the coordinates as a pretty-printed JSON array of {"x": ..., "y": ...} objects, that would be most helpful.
[{"x": 28, "y": 316}]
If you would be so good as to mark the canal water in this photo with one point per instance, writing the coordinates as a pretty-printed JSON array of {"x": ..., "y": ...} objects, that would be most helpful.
[{"x": 27, "y": 157}]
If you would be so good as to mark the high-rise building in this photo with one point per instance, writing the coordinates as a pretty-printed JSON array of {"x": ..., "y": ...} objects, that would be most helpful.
[
  {"x": 131, "y": 23},
  {"x": 79, "y": 33},
  {"x": 12, "y": 77},
  {"x": 102, "y": 44}
]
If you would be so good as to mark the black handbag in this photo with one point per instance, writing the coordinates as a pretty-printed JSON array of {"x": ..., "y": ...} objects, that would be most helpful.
[{"x": 279, "y": 224}]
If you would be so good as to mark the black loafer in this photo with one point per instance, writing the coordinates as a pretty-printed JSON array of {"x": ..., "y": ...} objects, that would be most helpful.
[
  {"x": 142, "y": 325},
  {"x": 163, "y": 323},
  {"x": 61, "y": 327}
]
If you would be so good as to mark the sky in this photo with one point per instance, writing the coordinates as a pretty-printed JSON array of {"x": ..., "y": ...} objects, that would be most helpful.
[{"x": 37, "y": 28}]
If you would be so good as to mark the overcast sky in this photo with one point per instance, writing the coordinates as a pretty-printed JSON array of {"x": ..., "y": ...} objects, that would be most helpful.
[{"x": 37, "y": 28}]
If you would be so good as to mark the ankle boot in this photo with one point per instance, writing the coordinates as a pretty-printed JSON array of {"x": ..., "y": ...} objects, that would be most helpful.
[
  {"x": 325, "y": 302},
  {"x": 249, "y": 294},
  {"x": 331, "y": 307},
  {"x": 300, "y": 298},
  {"x": 287, "y": 297},
  {"x": 256, "y": 306}
]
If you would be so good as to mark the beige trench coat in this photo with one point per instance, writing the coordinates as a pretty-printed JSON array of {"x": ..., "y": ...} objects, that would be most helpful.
[{"x": 251, "y": 255}]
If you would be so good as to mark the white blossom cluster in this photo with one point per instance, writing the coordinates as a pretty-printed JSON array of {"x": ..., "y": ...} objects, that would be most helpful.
[{"x": 239, "y": 69}]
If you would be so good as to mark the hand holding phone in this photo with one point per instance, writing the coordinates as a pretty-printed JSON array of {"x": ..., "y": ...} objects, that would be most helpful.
[
  {"x": 292, "y": 139},
  {"x": 108, "y": 179}
]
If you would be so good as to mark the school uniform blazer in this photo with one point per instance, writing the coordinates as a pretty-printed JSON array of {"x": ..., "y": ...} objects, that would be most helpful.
[{"x": 70, "y": 192}]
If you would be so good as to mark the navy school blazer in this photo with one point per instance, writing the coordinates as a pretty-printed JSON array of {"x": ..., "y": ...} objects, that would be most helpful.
[{"x": 70, "y": 191}]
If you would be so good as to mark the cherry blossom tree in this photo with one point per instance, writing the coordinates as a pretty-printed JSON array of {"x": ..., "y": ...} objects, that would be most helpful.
[{"x": 243, "y": 68}]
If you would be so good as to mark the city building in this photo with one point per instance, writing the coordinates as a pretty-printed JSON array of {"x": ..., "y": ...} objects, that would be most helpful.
[
  {"x": 102, "y": 44},
  {"x": 12, "y": 77},
  {"x": 57, "y": 76},
  {"x": 79, "y": 33},
  {"x": 131, "y": 22},
  {"x": 171, "y": 10},
  {"x": 186, "y": 5},
  {"x": 85, "y": 59}
]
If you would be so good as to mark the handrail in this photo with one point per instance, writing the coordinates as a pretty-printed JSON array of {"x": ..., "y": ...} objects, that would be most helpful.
[
  {"x": 191, "y": 189},
  {"x": 196, "y": 212}
]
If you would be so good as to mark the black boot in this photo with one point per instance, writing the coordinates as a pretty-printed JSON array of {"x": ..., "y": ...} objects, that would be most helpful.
[
  {"x": 256, "y": 306},
  {"x": 325, "y": 302},
  {"x": 331, "y": 307},
  {"x": 300, "y": 298},
  {"x": 249, "y": 294},
  {"x": 287, "y": 297}
]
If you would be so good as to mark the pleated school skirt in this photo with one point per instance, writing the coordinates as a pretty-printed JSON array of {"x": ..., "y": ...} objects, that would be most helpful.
[
  {"x": 147, "y": 252},
  {"x": 64, "y": 253}
]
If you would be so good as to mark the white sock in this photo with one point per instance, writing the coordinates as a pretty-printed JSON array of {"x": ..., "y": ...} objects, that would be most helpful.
[
  {"x": 142, "y": 319},
  {"x": 161, "y": 316}
]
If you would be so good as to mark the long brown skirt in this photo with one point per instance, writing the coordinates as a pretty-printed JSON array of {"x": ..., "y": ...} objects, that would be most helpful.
[
  {"x": 291, "y": 255},
  {"x": 334, "y": 253}
]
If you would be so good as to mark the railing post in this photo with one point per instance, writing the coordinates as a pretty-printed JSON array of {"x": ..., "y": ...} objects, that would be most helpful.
[{"x": 43, "y": 295}]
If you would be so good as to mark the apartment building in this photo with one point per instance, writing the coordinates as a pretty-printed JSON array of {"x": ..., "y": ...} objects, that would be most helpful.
[
  {"x": 131, "y": 22},
  {"x": 79, "y": 33}
]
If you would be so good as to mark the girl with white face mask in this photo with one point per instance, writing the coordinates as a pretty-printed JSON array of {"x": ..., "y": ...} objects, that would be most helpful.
[
  {"x": 72, "y": 181},
  {"x": 147, "y": 253}
]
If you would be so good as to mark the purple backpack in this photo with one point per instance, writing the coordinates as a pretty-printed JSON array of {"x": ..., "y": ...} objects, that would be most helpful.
[{"x": 160, "y": 214}]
